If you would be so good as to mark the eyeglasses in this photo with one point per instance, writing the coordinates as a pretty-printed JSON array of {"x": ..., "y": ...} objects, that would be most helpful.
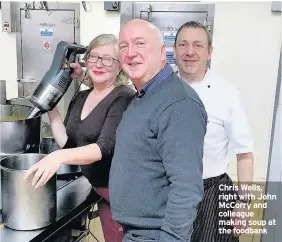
[{"x": 106, "y": 61}]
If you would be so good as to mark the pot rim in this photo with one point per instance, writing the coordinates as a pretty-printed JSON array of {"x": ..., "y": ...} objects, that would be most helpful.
[
  {"x": 20, "y": 154},
  {"x": 48, "y": 138},
  {"x": 18, "y": 105}
]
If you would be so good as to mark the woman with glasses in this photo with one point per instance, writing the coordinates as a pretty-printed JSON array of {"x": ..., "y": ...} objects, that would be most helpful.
[{"x": 87, "y": 136}]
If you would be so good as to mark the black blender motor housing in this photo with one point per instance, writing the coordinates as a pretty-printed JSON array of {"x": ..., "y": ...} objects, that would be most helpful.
[{"x": 57, "y": 80}]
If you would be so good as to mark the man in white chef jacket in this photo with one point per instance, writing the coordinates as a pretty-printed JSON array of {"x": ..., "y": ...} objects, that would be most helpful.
[{"x": 227, "y": 131}]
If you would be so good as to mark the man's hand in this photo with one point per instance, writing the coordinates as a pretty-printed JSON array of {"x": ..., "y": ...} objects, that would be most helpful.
[
  {"x": 45, "y": 168},
  {"x": 238, "y": 220}
]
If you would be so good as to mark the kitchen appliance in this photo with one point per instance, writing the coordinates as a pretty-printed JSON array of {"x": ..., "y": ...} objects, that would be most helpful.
[
  {"x": 24, "y": 207},
  {"x": 49, "y": 145},
  {"x": 57, "y": 79}
]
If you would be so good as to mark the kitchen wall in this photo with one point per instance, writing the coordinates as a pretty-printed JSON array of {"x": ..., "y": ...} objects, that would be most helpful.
[{"x": 247, "y": 39}]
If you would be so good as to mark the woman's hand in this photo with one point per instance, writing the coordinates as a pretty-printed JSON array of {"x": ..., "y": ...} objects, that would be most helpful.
[
  {"x": 78, "y": 72},
  {"x": 45, "y": 168}
]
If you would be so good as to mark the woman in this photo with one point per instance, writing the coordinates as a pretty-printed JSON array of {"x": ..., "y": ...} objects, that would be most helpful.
[{"x": 87, "y": 137}]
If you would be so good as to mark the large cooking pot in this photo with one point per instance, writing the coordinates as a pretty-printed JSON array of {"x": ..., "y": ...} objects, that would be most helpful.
[
  {"x": 24, "y": 207},
  {"x": 49, "y": 145},
  {"x": 17, "y": 134}
]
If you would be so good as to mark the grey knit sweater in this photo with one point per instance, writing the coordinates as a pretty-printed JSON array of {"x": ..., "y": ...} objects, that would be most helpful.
[{"x": 156, "y": 173}]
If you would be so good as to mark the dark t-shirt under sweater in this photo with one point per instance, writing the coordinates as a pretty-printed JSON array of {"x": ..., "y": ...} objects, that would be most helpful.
[{"x": 98, "y": 127}]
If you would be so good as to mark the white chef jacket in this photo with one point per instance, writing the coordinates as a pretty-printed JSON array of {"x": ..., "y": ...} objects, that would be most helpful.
[{"x": 227, "y": 129}]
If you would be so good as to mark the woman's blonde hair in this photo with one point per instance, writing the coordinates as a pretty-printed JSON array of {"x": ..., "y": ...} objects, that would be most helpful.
[{"x": 108, "y": 39}]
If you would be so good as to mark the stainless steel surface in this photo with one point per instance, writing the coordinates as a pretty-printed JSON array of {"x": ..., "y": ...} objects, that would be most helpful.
[
  {"x": 274, "y": 177},
  {"x": 8, "y": 16},
  {"x": 18, "y": 136},
  {"x": 49, "y": 145},
  {"x": 1, "y": 218},
  {"x": 20, "y": 101},
  {"x": 45, "y": 126},
  {"x": 168, "y": 18},
  {"x": 34, "y": 111},
  {"x": 50, "y": 29},
  {"x": 276, "y": 6},
  {"x": 7, "y": 110},
  {"x": 24, "y": 207},
  {"x": 63, "y": 19},
  {"x": 168, "y": 14},
  {"x": 26, "y": 87},
  {"x": 69, "y": 201},
  {"x": 3, "y": 98},
  {"x": 33, "y": 60},
  {"x": 46, "y": 130},
  {"x": 21, "y": 135}
]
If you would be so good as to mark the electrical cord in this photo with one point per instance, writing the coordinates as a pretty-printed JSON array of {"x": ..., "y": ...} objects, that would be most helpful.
[{"x": 77, "y": 90}]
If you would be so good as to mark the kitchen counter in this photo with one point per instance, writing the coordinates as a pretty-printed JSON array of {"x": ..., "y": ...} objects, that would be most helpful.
[{"x": 73, "y": 199}]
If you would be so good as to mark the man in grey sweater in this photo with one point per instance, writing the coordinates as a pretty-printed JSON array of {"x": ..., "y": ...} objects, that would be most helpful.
[{"x": 156, "y": 173}]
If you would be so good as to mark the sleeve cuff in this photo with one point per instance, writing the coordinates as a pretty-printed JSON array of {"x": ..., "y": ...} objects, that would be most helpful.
[
  {"x": 106, "y": 147},
  {"x": 69, "y": 144},
  {"x": 242, "y": 150}
]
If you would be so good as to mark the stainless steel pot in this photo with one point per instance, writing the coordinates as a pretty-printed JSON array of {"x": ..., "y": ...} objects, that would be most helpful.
[
  {"x": 18, "y": 136},
  {"x": 24, "y": 207},
  {"x": 49, "y": 145},
  {"x": 21, "y": 136}
]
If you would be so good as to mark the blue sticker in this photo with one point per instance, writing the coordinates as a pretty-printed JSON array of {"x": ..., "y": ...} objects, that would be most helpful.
[
  {"x": 46, "y": 32},
  {"x": 169, "y": 36},
  {"x": 170, "y": 59}
]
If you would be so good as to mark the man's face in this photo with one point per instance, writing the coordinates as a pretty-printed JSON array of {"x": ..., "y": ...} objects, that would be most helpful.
[
  {"x": 141, "y": 53},
  {"x": 191, "y": 50}
]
